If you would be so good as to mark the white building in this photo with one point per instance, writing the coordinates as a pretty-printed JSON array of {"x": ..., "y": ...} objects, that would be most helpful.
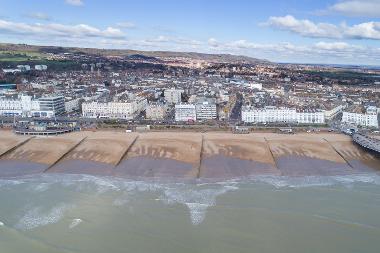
[
  {"x": 55, "y": 104},
  {"x": 156, "y": 111},
  {"x": 269, "y": 114},
  {"x": 368, "y": 119},
  {"x": 173, "y": 96},
  {"x": 272, "y": 114},
  {"x": 206, "y": 109},
  {"x": 258, "y": 86},
  {"x": 24, "y": 105},
  {"x": 23, "y": 68},
  {"x": 185, "y": 112},
  {"x": 114, "y": 110},
  {"x": 40, "y": 67},
  {"x": 311, "y": 117}
]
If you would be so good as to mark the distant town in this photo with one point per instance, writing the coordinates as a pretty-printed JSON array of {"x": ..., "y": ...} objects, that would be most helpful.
[{"x": 163, "y": 88}]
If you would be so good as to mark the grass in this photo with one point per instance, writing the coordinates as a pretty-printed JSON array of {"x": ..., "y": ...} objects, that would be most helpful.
[{"x": 20, "y": 56}]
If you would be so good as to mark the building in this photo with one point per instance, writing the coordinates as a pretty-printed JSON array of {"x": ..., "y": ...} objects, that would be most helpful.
[
  {"x": 269, "y": 114},
  {"x": 272, "y": 114},
  {"x": 155, "y": 111},
  {"x": 114, "y": 110},
  {"x": 72, "y": 104},
  {"x": 10, "y": 107},
  {"x": 333, "y": 112},
  {"x": 23, "y": 68},
  {"x": 40, "y": 67},
  {"x": 173, "y": 96},
  {"x": 24, "y": 105},
  {"x": 54, "y": 104},
  {"x": 185, "y": 112},
  {"x": 206, "y": 108},
  {"x": 368, "y": 119},
  {"x": 310, "y": 117},
  {"x": 257, "y": 86}
]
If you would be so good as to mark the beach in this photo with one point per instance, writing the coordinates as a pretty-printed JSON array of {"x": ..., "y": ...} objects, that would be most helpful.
[{"x": 184, "y": 155}]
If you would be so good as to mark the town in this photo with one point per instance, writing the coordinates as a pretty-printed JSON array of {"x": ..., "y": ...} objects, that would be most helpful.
[{"x": 187, "y": 89}]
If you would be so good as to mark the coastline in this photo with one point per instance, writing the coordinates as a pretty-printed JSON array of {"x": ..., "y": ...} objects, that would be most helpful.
[{"x": 184, "y": 155}]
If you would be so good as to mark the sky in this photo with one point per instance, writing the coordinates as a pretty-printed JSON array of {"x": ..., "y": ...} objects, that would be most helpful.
[{"x": 296, "y": 31}]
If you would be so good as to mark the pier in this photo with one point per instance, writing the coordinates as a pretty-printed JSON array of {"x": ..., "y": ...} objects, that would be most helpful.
[{"x": 367, "y": 142}]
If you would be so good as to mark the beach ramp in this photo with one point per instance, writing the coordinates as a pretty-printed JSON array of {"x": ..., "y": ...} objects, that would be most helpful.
[
  {"x": 36, "y": 155},
  {"x": 306, "y": 155},
  {"x": 162, "y": 155},
  {"x": 235, "y": 156},
  {"x": 97, "y": 154}
]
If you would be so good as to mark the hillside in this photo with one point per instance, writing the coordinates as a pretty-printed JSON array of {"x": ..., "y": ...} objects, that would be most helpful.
[{"x": 23, "y": 51}]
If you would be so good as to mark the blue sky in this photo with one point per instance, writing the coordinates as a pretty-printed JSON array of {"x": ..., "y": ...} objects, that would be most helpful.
[{"x": 329, "y": 31}]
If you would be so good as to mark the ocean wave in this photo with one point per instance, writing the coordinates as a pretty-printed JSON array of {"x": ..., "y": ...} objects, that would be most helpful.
[
  {"x": 75, "y": 222},
  {"x": 316, "y": 181},
  {"x": 197, "y": 196},
  {"x": 37, "y": 217},
  {"x": 196, "y": 200}
]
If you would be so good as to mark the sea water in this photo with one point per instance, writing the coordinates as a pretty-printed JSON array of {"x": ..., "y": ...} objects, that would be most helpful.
[{"x": 78, "y": 213}]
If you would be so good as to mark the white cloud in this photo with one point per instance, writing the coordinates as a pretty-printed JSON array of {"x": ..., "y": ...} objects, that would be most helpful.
[
  {"x": 126, "y": 25},
  {"x": 54, "y": 29},
  {"x": 173, "y": 40},
  {"x": 332, "y": 45},
  {"x": 213, "y": 42},
  {"x": 332, "y": 52},
  {"x": 38, "y": 15},
  {"x": 369, "y": 30},
  {"x": 359, "y": 8},
  {"x": 75, "y": 2},
  {"x": 304, "y": 27},
  {"x": 307, "y": 28}
]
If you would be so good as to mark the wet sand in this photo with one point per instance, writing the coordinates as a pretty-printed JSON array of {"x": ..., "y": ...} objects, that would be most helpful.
[
  {"x": 306, "y": 155},
  {"x": 160, "y": 154},
  {"x": 229, "y": 155},
  {"x": 185, "y": 155},
  {"x": 98, "y": 154},
  {"x": 359, "y": 159},
  {"x": 37, "y": 154}
]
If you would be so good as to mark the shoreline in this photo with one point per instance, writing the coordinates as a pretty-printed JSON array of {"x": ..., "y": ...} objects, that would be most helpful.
[{"x": 184, "y": 155}]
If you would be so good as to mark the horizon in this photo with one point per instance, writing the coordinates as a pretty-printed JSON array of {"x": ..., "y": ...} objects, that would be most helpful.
[{"x": 298, "y": 32}]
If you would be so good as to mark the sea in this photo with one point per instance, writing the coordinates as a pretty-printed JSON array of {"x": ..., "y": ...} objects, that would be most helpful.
[{"x": 82, "y": 213}]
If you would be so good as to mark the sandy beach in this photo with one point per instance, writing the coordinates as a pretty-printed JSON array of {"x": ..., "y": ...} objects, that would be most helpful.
[
  {"x": 97, "y": 154},
  {"x": 185, "y": 155},
  {"x": 228, "y": 155}
]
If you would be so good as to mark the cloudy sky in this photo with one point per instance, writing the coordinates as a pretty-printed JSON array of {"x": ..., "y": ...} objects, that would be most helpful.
[{"x": 305, "y": 31}]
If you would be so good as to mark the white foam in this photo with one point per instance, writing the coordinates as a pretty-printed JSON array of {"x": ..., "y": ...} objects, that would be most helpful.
[
  {"x": 317, "y": 181},
  {"x": 36, "y": 217},
  {"x": 2, "y": 224},
  {"x": 75, "y": 222},
  {"x": 121, "y": 201},
  {"x": 196, "y": 200},
  {"x": 42, "y": 187}
]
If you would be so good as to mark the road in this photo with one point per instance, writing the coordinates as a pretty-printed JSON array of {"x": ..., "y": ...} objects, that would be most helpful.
[{"x": 235, "y": 115}]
